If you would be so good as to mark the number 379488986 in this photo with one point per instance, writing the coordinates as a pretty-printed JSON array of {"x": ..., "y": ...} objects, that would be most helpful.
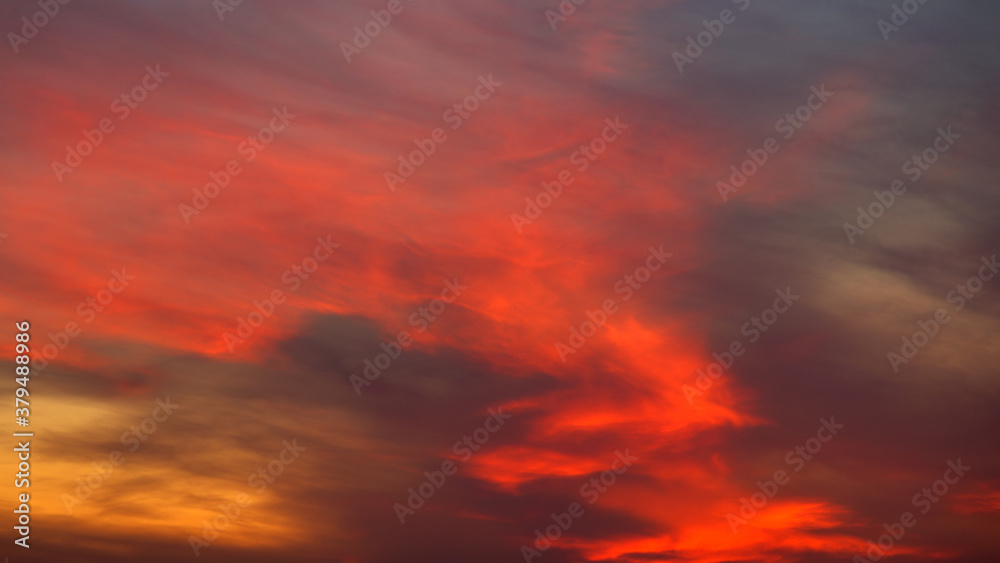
[{"x": 23, "y": 372}]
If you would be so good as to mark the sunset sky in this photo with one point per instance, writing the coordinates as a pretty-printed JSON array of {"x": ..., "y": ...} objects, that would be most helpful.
[{"x": 276, "y": 262}]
